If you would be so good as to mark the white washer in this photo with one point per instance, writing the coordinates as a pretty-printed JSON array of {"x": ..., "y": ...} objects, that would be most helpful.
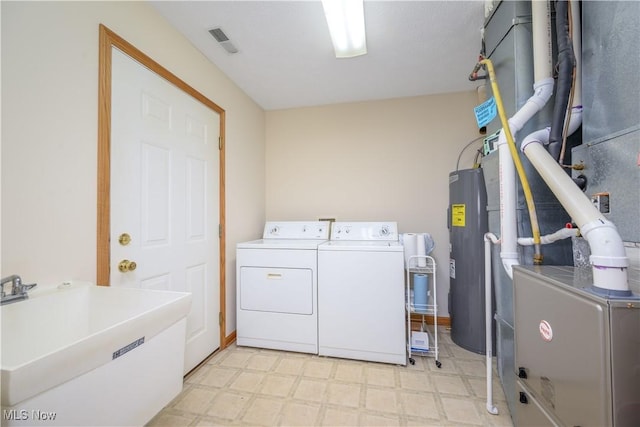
[
  {"x": 361, "y": 293},
  {"x": 277, "y": 287}
]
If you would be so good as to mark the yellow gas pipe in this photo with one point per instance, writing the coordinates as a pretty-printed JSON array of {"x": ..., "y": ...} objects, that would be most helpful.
[{"x": 537, "y": 257}]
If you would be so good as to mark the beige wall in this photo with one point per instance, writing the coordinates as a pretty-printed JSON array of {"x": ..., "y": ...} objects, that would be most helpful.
[
  {"x": 366, "y": 161},
  {"x": 49, "y": 129},
  {"x": 372, "y": 161}
]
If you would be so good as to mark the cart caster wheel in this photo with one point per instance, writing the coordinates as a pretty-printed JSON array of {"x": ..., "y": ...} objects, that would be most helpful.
[
  {"x": 438, "y": 364},
  {"x": 412, "y": 361}
]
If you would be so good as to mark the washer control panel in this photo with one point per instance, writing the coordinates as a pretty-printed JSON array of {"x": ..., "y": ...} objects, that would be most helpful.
[
  {"x": 296, "y": 230},
  {"x": 386, "y": 231}
]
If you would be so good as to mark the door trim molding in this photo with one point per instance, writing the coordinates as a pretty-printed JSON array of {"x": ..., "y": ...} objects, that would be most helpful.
[{"x": 107, "y": 40}]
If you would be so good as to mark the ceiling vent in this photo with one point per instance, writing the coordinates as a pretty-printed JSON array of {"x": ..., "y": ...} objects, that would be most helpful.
[{"x": 224, "y": 41}]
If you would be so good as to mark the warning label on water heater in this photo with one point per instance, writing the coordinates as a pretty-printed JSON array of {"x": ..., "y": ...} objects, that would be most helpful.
[{"x": 457, "y": 215}]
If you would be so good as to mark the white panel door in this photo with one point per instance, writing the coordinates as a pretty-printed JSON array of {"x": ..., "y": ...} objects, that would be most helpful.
[{"x": 165, "y": 195}]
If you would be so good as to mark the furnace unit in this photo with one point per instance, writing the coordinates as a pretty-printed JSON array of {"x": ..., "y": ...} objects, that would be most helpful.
[{"x": 577, "y": 352}]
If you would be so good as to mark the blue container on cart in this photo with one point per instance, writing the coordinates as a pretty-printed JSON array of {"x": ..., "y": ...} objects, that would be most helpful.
[{"x": 420, "y": 291}]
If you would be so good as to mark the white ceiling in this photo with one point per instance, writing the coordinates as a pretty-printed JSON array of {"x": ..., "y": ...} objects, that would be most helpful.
[{"x": 286, "y": 57}]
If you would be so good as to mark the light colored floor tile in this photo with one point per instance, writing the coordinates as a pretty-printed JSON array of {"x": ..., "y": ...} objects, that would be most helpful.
[
  {"x": 368, "y": 419},
  {"x": 479, "y": 387},
  {"x": 475, "y": 368},
  {"x": 419, "y": 381},
  {"x": 289, "y": 365},
  {"x": 277, "y": 385},
  {"x": 262, "y": 362},
  {"x": 172, "y": 420},
  {"x": 350, "y": 372},
  {"x": 421, "y": 405},
  {"x": 299, "y": 414},
  {"x": 381, "y": 400},
  {"x": 447, "y": 366},
  {"x": 263, "y": 411},
  {"x": 195, "y": 400},
  {"x": 318, "y": 368},
  {"x": 340, "y": 417},
  {"x": 384, "y": 377},
  {"x": 212, "y": 422},
  {"x": 502, "y": 419},
  {"x": 461, "y": 410},
  {"x": 251, "y": 386},
  {"x": 197, "y": 374},
  {"x": 423, "y": 423},
  {"x": 228, "y": 405},
  {"x": 344, "y": 394},
  {"x": 217, "y": 376},
  {"x": 445, "y": 350},
  {"x": 221, "y": 355},
  {"x": 463, "y": 354},
  {"x": 450, "y": 384},
  {"x": 419, "y": 362},
  {"x": 247, "y": 381},
  {"x": 237, "y": 359},
  {"x": 310, "y": 390},
  {"x": 445, "y": 335}
]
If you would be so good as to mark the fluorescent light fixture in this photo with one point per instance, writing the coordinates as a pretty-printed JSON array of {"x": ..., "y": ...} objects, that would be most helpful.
[{"x": 346, "y": 25}]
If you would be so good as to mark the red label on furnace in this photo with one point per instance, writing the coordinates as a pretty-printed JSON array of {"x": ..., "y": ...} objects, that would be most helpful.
[{"x": 545, "y": 330}]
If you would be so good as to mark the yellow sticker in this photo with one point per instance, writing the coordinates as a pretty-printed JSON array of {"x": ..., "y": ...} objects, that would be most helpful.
[{"x": 457, "y": 215}]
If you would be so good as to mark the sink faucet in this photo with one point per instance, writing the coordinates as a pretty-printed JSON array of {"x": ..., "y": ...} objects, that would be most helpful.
[{"x": 18, "y": 290}]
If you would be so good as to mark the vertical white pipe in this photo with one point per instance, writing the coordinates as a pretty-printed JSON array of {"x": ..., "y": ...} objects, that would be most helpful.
[
  {"x": 542, "y": 45},
  {"x": 575, "y": 113},
  {"x": 488, "y": 239},
  {"x": 543, "y": 89},
  {"x": 576, "y": 39},
  {"x": 508, "y": 225}
]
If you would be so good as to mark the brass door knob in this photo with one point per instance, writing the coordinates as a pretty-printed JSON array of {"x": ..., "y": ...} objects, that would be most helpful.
[
  {"x": 126, "y": 265},
  {"x": 124, "y": 239}
]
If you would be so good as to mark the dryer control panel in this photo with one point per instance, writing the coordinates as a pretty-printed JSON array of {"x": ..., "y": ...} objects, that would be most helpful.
[
  {"x": 296, "y": 230},
  {"x": 375, "y": 231}
]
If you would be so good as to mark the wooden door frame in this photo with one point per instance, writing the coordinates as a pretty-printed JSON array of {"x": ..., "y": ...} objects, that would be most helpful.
[{"x": 108, "y": 40}]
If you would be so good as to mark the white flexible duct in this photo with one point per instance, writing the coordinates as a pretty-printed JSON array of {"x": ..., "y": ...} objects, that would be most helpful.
[
  {"x": 543, "y": 89},
  {"x": 563, "y": 233},
  {"x": 608, "y": 255},
  {"x": 488, "y": 239}
]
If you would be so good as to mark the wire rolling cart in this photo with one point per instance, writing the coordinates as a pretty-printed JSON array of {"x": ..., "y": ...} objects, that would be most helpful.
[{"x": 422, "y": 264}]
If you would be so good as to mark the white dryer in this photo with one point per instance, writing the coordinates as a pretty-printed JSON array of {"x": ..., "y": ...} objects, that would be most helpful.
[
  {"x": 361, "y": 293},
  {"x": 276, "y": 285}
]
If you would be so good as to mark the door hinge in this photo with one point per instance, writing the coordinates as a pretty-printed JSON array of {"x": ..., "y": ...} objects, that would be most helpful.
[
  {"x": 220, "y": 230},
  {"x": 220, "y": 318},
  {"x": 219, "y": 143}
]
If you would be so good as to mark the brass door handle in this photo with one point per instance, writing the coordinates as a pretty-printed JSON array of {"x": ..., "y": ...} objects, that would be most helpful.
[
  {"x": 126, "y": 265},
  {"x": 124, "y": 239}
]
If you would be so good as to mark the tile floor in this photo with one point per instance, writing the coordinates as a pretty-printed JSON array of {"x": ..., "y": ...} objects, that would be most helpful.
[{"x": 257, "y": 387}]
